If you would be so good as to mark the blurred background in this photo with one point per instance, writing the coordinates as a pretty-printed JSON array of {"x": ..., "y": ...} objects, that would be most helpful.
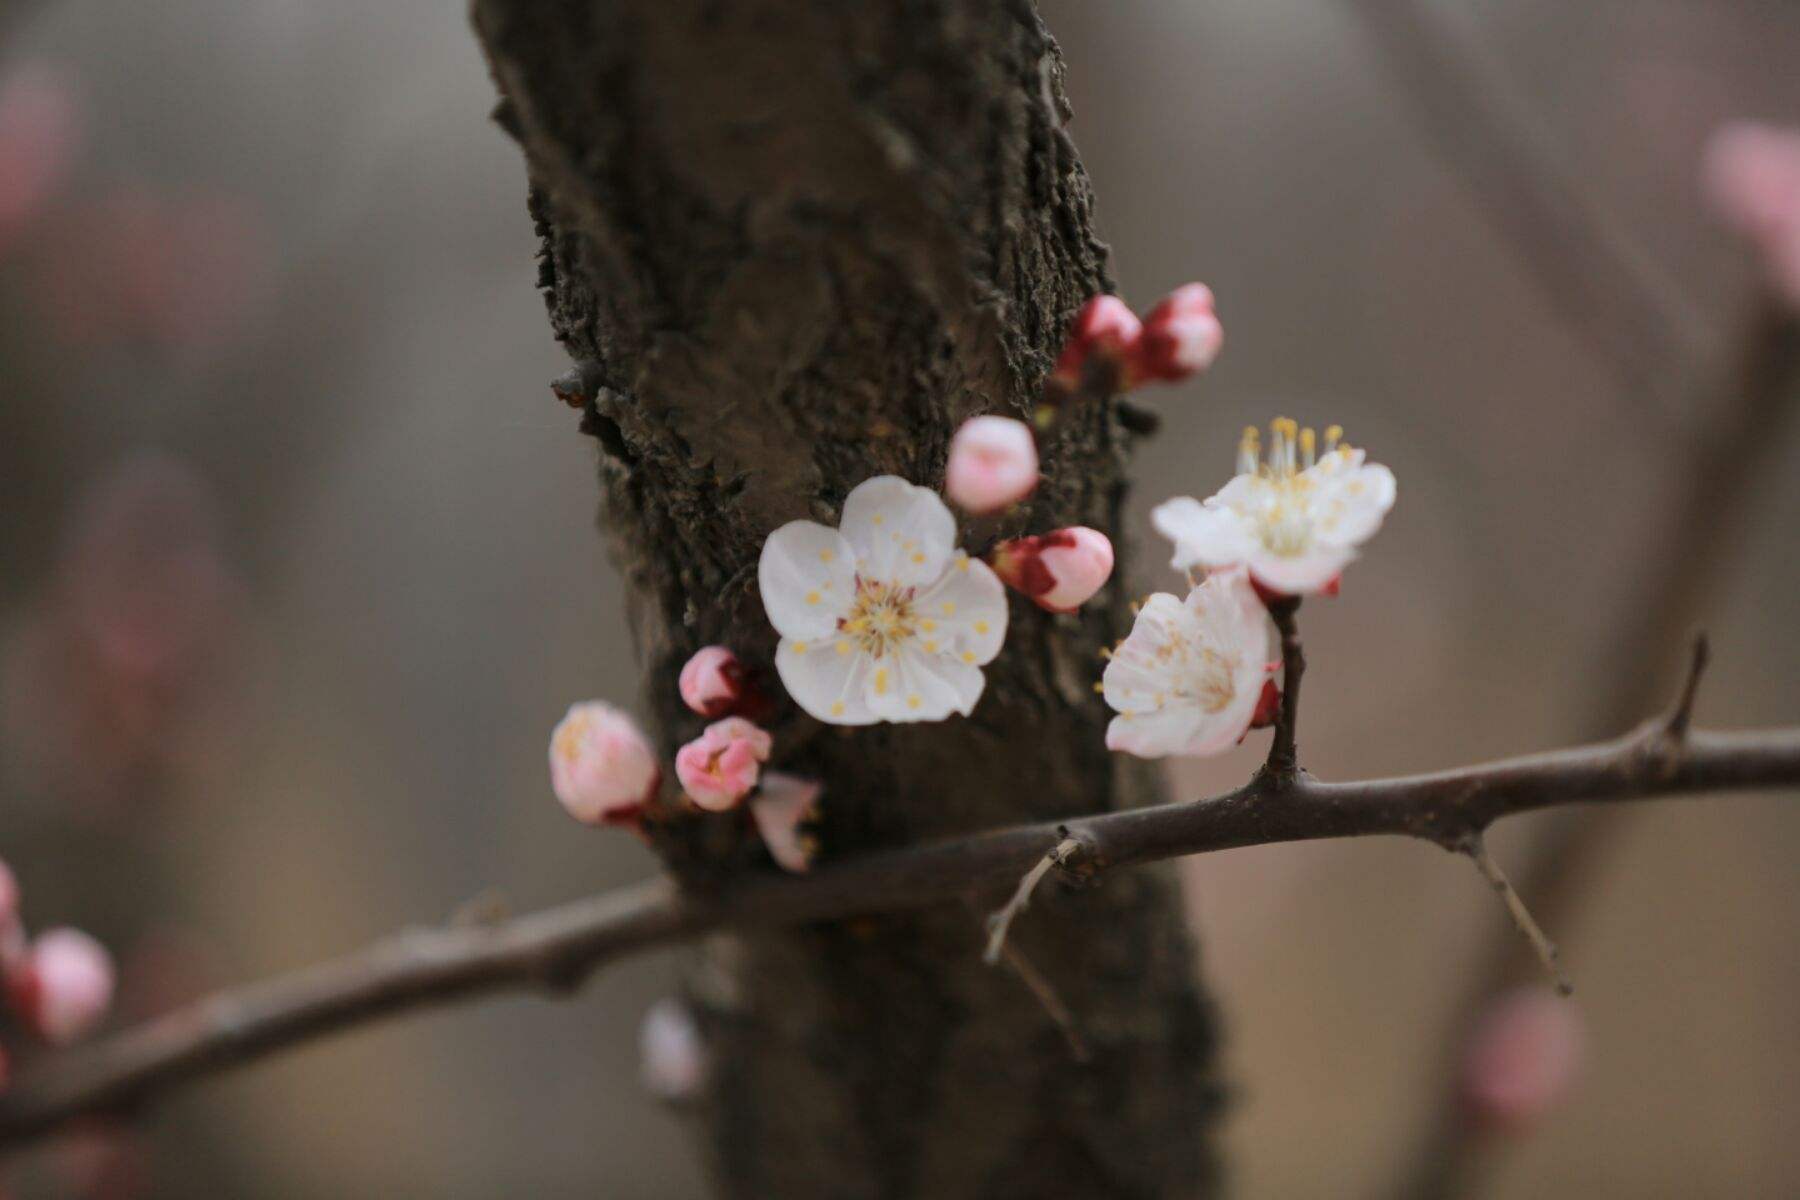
[{"x": 298, "y": 568}]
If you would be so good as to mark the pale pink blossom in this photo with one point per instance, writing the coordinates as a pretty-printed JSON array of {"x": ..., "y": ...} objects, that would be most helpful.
[
  {"x": 1191, "y": 676},
  {"x": 1103, "y": 335},
  {"x": 1523, "y": 1056},
  {"x": 1182, "y": 336},
  {"x": 1751, "y": 174},
  {"x": 672, "y": 1058},
  {"x": 882, "y": 619},
  {"x": 39, "y": 133},
  {"x": 993, "y": 463},
  {"x": 12, "y": 925},
  {"x": 712, "y": 682},
  {"x": 718, "y": 768},
  {"x": 1060, "y": 571},
  {"x": 1295, "y": 520},
  {"x": 64, "y": 986},
  {"x": 781, "y": 808},
  {"x": 602, "y": 767}
]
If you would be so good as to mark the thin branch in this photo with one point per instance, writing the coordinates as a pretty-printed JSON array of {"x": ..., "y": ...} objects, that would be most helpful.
[
  {"x": 1603, "y": 282},
  {"x": 1047, "y": 995},
  {"x": 1284, "y": 751},
  {"x": 1000, "y": 921},
  {"x": 1476, "y": 848},
  {"x": 1682, "y": 714},
  {"x": 557, "y": 948}
]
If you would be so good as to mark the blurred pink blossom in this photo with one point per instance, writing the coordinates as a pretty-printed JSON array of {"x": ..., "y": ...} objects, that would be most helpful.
[
  {"x": 671, "y": 1053},
  {"x": 1523, "y": 1056},
  {"x": 712, "y": 681},
  {"x": 781, "y": 810},
  {"x": 1751, "y": 175},
  {"x": 1182, "y": 336},
  {"x": 64, "y": 986},
  {"x": 1104, "y": 330},
  {"x": 40, "y": 133}
]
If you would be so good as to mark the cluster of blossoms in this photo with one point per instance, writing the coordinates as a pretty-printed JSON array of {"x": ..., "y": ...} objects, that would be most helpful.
[
  {"x": 885, "y": 619},
  {"x": 58, "y": 984},
  {"x": 1195, "y": 675},
  {"x": 605, "y": 772}
]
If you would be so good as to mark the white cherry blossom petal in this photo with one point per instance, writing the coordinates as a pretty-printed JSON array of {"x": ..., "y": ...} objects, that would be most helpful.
[
  {"x": 964, "y": 613},
  {"x": 1354, "y": 504},
  {"x": 827, "y": 678},
  {"x": 1156, "y": 733},
  {"x": 807, "y": 575},
  {"x": 912, "y": 686},
  {"x": 902, "y": 534},
  {"x": 1205, "y": 535}
]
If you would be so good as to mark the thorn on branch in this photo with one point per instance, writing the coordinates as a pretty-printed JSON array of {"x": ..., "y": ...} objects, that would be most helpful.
[
  {"x": 1001, "y": 920},
  {"x": 1476, "y": 848},
  {"x": 1681, "y": 716}
]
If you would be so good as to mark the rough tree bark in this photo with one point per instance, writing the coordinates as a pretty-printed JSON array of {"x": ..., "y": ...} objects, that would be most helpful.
[{"x": 790, "y": 245}]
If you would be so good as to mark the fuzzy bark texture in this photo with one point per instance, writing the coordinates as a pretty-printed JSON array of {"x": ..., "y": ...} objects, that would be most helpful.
[{"x": 791, "y": 244}]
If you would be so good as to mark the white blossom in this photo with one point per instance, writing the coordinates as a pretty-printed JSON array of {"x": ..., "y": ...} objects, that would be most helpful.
[
  {"x": 1188, "y": 678},
  {"x": 881, "y": 619},
  {"x": 1294, "y": 520}
]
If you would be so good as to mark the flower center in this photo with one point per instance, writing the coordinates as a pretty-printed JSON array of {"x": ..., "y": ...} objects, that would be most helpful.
[
  {"x": 882, "y": 620},
  {"x": 1200, "y": 674},
  {"x": 1282, "y": 489}
]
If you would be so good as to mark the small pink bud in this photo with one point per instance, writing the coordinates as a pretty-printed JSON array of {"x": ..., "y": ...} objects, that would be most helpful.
[
  {"x": 65, "y": 985},
  {"x": 1182, "y": 336},
  {"x": 1522, "y": 1058},
  {"x": 601, "y": 765},
  {"x": 1060, "y": 571},
  {"x": 781, "y": 808},
  {"x": 672, "y": 1059},
  {"x": 993, "y": 463},
  {"x": 1105, "y": 330},
  {"x": 712, "y": 682},
  {"x": 718, "y": 768}
]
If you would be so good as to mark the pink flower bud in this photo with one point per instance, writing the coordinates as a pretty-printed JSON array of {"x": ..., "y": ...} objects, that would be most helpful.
[
  {"x": 781, "y": 809},
  {"x": 1182, "y": 336},
  {"x": 1522, "y": 1057},
  {"x": 672, "y": 1059},
  {"x": 718, "y": 768},
  {"x": 1751, "y": 175},
  {"x": 65, "y": 985},
  {"x": 993, "y": 463},
  {"x": 1105, "y": 330},
  {"x": 601, "y": 765},
  {"x": 1060, "y": 570},
  {"x": 712, "y": 682}
]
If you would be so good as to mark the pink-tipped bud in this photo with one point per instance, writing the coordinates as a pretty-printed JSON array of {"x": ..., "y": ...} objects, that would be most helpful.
[
  {"x": 1060, "y": 571},
  {"x": 1182, "y": 336},
  {"x": 672, "y": 1059},
  {"x": 1522, "y": 1058},
  {"x": 1104, "y": 333},
  {"x": 64, "y": 986},
  {"x": 993, "y": 463},
  {"x": 1751, "y": 175},
  {"x": 718, "y": 768},
  {"x": 602, "y": 767},
  {"x": 781, "y": 810},
  {"x": 712, "y": 682}
]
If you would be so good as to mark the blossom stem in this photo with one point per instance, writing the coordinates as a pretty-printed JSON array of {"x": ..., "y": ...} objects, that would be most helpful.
[{"x": 1284, "y": 754}]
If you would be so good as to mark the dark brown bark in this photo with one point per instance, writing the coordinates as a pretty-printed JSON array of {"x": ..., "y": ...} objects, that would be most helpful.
[{"x": 791, "y": 245}]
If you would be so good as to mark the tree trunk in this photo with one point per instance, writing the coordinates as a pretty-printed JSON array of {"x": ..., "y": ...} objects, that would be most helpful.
[{"x": 790, "y": 245}]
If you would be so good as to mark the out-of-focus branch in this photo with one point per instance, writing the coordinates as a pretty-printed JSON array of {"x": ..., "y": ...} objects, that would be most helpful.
[
  {"x": 1739, "y": 428},
  {"x": 1583, "y": 262},
  {"x": 558, "y": 948}
]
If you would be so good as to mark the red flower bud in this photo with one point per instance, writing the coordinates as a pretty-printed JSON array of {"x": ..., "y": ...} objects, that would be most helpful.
[
  {"x": 1181, "y": 337},
  {"x": 1060, "y": 571},
  {"x": 1106, "y": 331}
]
